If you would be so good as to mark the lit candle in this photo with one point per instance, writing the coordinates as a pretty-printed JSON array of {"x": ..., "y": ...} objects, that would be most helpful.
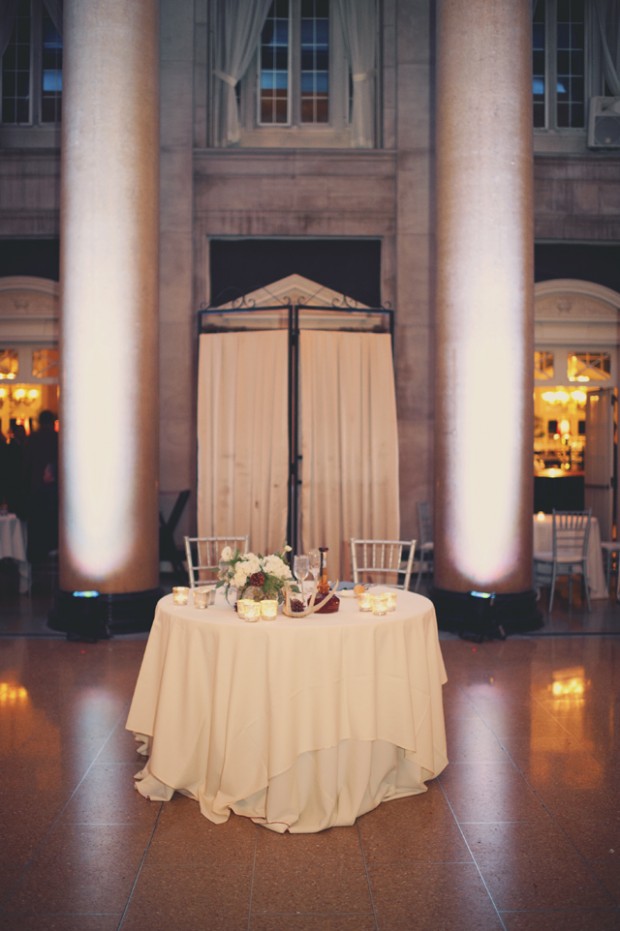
[
  {"x": 390, "y": 598},
  {"x": 201, "y": 597},
  {"x": 540, "y": 515},
  {"x": 268, "y": 609},
  {"x": 180, "y": 594},
  {"x": 364, "y": 601},
  {"x": 242, "y": 604},
  {"x": 379, "y": 605},
  {"x": 251, "y": 611}
]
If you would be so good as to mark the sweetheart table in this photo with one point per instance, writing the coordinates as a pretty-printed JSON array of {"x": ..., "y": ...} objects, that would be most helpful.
[{"x": 298, "y": 724}]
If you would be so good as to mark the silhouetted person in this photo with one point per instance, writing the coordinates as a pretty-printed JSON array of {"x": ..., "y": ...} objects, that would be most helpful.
[
  {"x": 42, "y": 477},
  {"x": 14, "y": 485}
]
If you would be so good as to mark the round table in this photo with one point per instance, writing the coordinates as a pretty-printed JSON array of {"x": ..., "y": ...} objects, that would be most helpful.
[
  {"x": 299, "y": 724},
  {"x": 13, "y": 546}
]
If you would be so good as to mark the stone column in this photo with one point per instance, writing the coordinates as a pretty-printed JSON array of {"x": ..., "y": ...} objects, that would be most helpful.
[
  {"x": 485, "y": 287},
  {"x": 109, "y": 298}
]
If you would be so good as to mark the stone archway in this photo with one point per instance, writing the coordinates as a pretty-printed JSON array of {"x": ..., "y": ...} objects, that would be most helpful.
[{"x": 29, "y": 313}]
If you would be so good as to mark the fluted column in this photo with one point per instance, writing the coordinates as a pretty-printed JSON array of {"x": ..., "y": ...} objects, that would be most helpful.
[
  {"x": 485, "y": 281},
  {"x": 109, "y": 297}
]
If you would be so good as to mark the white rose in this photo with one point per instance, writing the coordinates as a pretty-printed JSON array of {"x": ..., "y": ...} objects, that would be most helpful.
[{"x": 226, "y": 555}]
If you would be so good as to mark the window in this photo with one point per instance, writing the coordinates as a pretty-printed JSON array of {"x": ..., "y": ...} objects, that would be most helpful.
[
  {"x": 543, "y": 365},
  {"x": 311, "y": 80},
  {"x": 559, "y": 64},
  {"x": 31, "y": 76},
  {"x": 589, "y": 366},
  {"x": 294, "y": 64}
]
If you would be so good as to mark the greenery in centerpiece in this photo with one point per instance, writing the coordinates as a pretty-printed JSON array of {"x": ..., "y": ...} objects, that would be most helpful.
[{"x": 255, "y": 576}]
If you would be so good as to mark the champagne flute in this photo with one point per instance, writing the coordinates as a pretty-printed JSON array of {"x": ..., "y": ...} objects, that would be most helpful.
[
  {"x": 301, "y": 568},
  {"x": 315, "y": 565}
]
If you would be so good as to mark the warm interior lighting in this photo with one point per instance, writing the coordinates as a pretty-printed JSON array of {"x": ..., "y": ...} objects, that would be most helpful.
[
  {"x": 25, "y": 396},
  {"x": 12, "y": 694}
]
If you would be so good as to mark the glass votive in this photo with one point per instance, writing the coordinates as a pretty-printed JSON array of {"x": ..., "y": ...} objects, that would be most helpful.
[
  {"x": 268, "y": 609},
  {"x": 378, "y": 605},
  {"x": 251, "y": 611},
  {"x": 364, "y": 601},
  {"x": 390, "y": 599},
  {"x": 180, "y": 594},
  {"x": 201, "y": 597},
  {"x": 242, "y": 604}
]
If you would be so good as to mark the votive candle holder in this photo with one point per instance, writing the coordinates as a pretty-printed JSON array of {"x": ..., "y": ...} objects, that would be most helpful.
[
  {"x": 269, "y": 609},
  {"x": 180, "y": 594},
  {"x": 364, "y": 601},
  {"x": 201, "y": 597},
  {"x": 242, "y": 603},
  {"x": 378, "y": 605},
  {"x": 251, "y": 611}
]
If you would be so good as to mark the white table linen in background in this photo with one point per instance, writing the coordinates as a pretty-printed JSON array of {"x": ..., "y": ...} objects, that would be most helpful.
[
  {"x": 299, "y": 724},
  {"x": 543, "y": 543},
  {"x": 13, "y": 546}
]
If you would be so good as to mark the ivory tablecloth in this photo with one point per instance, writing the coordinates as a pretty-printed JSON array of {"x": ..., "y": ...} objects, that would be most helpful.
[
  {"x": 298, "y": 724},
  {"x": 13, "y": 546},
  {"x": 543, "y": 542}
]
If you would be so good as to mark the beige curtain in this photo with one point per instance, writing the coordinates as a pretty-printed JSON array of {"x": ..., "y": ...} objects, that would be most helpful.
[
  {"x": 349, "y": 443},
  {"x": 243, "y": 437}
]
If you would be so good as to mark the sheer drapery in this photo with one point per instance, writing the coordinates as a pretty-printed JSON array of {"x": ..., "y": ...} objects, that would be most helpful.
[
  {"x": 243, "y": 437},
  {"x": 7, "y": 23},
  {"x": 54, "y": 8},
  {"x": 238, "y": 25},
  {"x": 7, "y": 19},
  {"x": 349, "y": 442},
  {"x": 359, "y": 28},
  {"x": 608, "y": 17}
]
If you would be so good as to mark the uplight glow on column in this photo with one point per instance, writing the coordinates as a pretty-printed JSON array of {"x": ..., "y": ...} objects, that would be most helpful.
[
  {"x": 484, "y": 351},
  {"x": 109, "y": 288},
  {"x": 484, "y": 477},
  {"x": 99, "y": 449}
]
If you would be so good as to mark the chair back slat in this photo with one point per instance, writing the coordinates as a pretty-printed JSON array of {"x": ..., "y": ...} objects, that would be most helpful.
[
  {"x": 425, "y": 523},
  {"x": 382, "y": 561},
  {"x": 203, "y": 556},
  {"x": 571, "y": 534}
]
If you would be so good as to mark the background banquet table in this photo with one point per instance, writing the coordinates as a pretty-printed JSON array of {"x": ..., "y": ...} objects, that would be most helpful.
[
  {"x": 13, "y": 546},
  {"x": 543, "y": 542},
  {"x": 299, "y": 724}
]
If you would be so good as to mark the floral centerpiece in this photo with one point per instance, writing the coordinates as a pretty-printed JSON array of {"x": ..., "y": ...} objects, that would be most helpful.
[{"x": 254, "y": 576}]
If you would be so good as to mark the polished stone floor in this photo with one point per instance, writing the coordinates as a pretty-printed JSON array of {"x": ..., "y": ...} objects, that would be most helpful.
[{"x": 520, "y": 832}]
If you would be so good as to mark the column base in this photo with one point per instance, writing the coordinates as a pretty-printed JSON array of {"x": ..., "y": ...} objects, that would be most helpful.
[
  {"x": 485, "y": 615},
  {"x": 93, "y": 616}
]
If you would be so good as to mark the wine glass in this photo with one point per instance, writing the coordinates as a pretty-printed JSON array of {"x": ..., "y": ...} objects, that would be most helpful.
[
  {"x": 315, "y": 565},
  {"x": 301, "y": 568}
]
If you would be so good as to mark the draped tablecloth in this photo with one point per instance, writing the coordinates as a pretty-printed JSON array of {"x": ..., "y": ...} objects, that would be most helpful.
[
  {"x": 13, "y": 546},
  {"x": 299, "y": 724},
  {"x": 543, "y": 542}
]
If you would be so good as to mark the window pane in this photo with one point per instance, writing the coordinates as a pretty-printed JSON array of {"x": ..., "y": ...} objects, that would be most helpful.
[
  {"x": 315, "y": 61},
  {"x": 570, "y": 63},
  {"x": 45, "y": 363},
  {"x": 16, "y": 69},
  {"x": 543, "y": 365},
  {"x": 51, "y": 71},
  {"x": 274, "y": 66},
  {"x": 589, "y": 366},
  {"x": 9, "y": 364},
  {"x": 538, "y": 65}
]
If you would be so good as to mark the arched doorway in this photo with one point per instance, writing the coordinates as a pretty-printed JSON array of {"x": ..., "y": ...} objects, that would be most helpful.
[
  {"x": 29, "y": 361},
  {"x": 577, "y": 339}
]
